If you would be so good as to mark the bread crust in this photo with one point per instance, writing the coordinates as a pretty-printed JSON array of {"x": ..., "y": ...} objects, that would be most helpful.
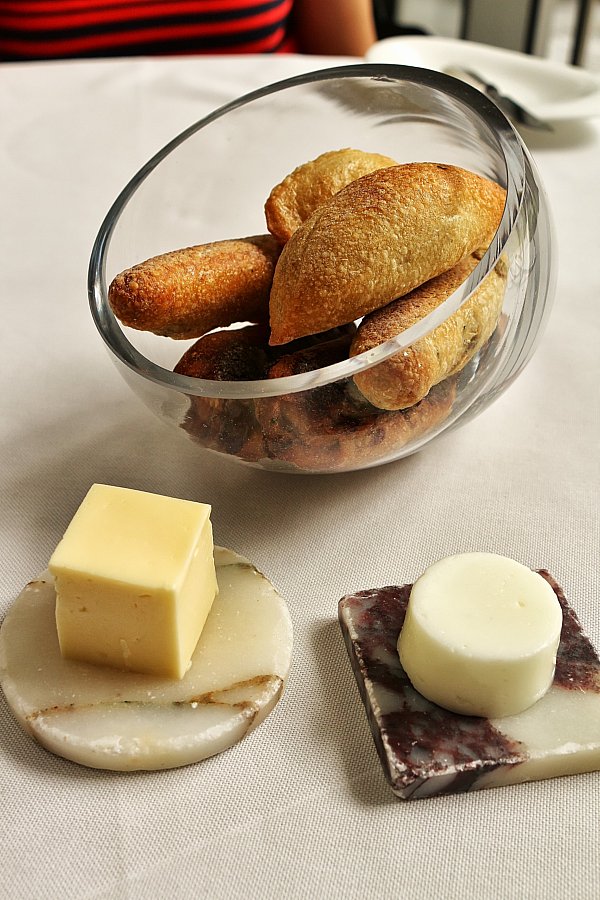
[
  {"x": 291, "y": 202},
  {"x": 231, "y": 425},
  {"x": 332, "y": 428},
  {"x": 377, "y": 239},
  {"x": 407, "y": 377},
  {"x": 227, "y": 426},
  {"x": 324, "y": 429},
  {"x": 188, "y": 292},
  {"x": 237, "y": 355}
]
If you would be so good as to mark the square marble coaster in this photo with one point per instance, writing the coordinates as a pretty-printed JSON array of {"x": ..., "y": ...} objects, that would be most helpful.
[{"x": 426, "y": 750}]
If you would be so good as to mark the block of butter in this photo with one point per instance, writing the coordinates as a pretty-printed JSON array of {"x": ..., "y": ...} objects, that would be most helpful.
[
  {"x": 135, "y": 580},
  {"x": 480, "y": 635}
]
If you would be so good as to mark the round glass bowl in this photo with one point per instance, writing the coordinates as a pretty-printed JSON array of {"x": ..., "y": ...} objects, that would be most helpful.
[{"x": 211, "y": 183}]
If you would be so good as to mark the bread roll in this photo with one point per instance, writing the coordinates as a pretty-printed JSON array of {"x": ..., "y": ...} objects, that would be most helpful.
[
  {"x": 231, "y": 425},
  {"x": 312, "y": 184},
  {"x": 408, "y": 376},
  {"x": 185, "y": 293},
  {"x": 333, "y": 428},
  {"x": 239, "y": 354},
  {"x": 377, "y": 239},
  {"x": 227, "y": 426}
]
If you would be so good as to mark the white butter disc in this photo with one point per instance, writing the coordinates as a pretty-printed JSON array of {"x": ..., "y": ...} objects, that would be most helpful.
[
  {"x": 481, "y": 635},
  {"x": 110, "y": 719}
]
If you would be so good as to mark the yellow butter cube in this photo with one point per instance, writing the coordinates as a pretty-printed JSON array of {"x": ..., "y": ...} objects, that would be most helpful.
[{"x": 135, "y": 580}]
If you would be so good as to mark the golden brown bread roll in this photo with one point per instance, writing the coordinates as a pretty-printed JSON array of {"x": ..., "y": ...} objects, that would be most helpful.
[
  {"x": 310, "y": 185},
  {"x": 377, "y": 239},
  {"x": 185, "y": 293},
  {"x": 408, "y": 376}
]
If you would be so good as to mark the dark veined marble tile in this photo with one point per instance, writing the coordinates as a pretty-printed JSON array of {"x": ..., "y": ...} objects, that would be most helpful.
[{"x": 426, "y": 750}]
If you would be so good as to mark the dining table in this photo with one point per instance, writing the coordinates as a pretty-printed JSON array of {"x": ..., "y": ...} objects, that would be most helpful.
[{"x": 300, "y": 808}]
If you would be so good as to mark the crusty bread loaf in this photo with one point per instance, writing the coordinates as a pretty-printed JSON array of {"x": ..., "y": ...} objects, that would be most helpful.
[
  {"x": 377, "y": 239},
  {"x": 292, "y": 201},
  {"x": 240, "y": 354},
  {"x": 244, "y": 354},
  {"x": 185, "y": 293},
  {"x": 227, "y": 426},
  {"x": 408, "y": 376},
  {"x": 328, "y": 428},
  {"x": 333, "y": 428}
]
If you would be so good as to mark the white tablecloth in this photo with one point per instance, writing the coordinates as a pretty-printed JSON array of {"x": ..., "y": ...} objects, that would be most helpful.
[{"x": 301, "y": 807}]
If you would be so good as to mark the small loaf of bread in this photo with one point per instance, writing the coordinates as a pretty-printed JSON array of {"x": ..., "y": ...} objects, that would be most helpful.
[
  {"x": 292, "y": 201},
  {"x": 185, "y": 293},
  {"x": 237, "y": 355},
  {"x": 377, "y": 239},
  {"x": 333, "y": 428},
  {"x": 227, "y": 426},
  {"x": 408, "y": 376}
]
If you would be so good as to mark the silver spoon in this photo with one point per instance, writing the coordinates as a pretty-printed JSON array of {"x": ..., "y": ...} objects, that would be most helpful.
[{"x": 513, "y": 110}]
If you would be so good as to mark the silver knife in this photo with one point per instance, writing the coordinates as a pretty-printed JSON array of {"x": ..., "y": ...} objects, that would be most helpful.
[{"x": 510, "y": 107}]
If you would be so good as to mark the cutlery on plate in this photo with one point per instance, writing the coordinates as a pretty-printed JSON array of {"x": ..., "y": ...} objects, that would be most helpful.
[{"x": 513, "y": 110}]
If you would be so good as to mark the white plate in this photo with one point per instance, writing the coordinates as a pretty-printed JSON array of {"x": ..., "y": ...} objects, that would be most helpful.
[{"x": 549, "y": 90}]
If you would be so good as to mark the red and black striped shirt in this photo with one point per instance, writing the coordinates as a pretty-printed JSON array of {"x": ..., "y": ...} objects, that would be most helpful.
[{"x": 60, "y": 29}]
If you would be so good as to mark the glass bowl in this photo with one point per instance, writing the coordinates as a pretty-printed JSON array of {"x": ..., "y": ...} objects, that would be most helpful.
[{"x": 211, "y": 183}]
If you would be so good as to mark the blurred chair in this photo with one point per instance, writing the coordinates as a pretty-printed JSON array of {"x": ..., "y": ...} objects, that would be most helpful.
[
  {"x": 386, "y": 21},
  {"x": 522, "y": 25}
]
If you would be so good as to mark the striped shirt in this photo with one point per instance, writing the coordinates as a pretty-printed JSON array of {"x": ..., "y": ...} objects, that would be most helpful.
[{"x": 60, "y": 29}]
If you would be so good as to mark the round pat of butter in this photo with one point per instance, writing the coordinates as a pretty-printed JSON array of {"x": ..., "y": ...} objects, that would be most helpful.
[{"x": 480, "y": 635}]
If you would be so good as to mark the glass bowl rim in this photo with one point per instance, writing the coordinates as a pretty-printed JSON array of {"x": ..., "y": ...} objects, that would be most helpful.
[{"x": 513, "y": 152}]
